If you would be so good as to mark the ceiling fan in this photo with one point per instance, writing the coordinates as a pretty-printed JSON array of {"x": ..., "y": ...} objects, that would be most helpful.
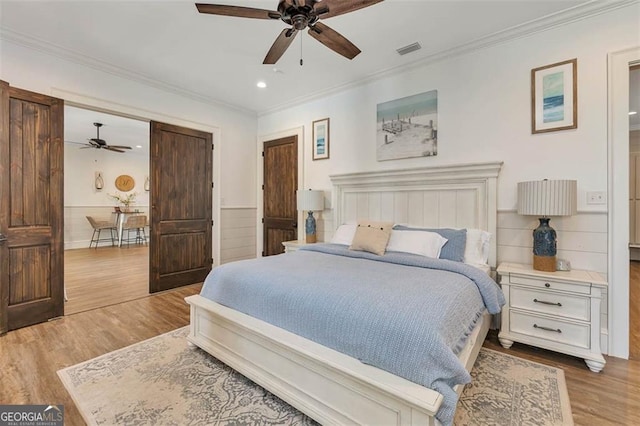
[
  {"x": 300, "y": 14},
  {"x": 98, "y": 143}
]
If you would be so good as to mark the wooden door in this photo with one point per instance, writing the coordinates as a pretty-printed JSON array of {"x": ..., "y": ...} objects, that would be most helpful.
[
  {"x": 279, "y": 198},
  {"x": 31, "y": 208},
  {"x": 180, "y": 246}
]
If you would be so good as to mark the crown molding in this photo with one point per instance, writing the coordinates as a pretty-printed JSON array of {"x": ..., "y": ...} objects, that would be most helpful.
[
  {"x": 567, "y": 16},
  {"x": 100, "y": 65},
  {"x": 574, "y": 14}
]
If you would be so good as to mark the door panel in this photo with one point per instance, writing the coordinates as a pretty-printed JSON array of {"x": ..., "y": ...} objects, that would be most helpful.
[
  {"x": 180, "y": 246},
  {"x": 31, "y": 200},
  {"x": 280, "y": 185}
]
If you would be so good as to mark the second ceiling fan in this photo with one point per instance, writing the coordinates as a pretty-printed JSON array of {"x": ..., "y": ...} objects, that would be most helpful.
[{"x": 300, "y": 14}]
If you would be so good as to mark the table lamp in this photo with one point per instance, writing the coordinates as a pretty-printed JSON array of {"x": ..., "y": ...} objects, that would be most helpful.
[
  {"x": 310, "y": 201},
  {"x": 545, "y": 198}
]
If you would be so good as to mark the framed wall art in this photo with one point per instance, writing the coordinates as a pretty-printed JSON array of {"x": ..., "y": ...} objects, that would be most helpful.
[
  {"x": 321, "y": 139},
  {"x": 554, "y": 97},
  {"x": 407, "y": 127}
]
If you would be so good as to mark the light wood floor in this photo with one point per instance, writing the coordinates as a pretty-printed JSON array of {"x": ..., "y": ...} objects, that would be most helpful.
[
  {"x": 634, "y": 310},
  {"x": 30, "y": 357},
  {"x": 105, "y": 276}
]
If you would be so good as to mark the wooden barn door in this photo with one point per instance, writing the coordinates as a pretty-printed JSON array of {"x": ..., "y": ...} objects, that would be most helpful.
[
  {"x": 180, "y": 248},
  {"x": 31, "y": 208},
  {"x": 279, "y": 197}
]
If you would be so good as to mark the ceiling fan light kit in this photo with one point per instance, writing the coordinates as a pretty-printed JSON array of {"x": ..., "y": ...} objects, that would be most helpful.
[{"x": 299, "y": 14}]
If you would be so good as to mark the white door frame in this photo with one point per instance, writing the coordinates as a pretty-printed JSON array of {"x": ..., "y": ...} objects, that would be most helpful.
[{"x": 618, "y": 221}]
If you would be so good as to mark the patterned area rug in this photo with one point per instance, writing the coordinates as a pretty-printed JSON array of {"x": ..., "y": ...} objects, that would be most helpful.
[{"x": 164, "y": 381}]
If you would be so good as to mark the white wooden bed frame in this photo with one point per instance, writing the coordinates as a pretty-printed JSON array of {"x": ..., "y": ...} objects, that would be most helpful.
[{"x": 328, "y": 386}]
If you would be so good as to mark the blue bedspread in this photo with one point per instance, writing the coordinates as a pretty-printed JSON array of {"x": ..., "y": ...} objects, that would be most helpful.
[{"x": 406, "y": 314}]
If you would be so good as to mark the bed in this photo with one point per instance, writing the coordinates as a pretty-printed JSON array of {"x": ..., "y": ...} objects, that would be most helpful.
[{"x": 326, "y": 384}]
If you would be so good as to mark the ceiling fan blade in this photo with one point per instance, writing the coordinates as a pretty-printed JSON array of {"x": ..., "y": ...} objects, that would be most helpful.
[
  {"x": 238, "y": 11},
  {"x": 334, "y": 40},
  {"x": 110, "y": 148},
  {"x": 119, "y": 146},
  {"x": 280, "y": 45},
  {"x": 330, "y": 8}
]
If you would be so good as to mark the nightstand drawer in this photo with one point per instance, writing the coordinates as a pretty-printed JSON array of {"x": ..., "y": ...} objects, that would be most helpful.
[
  {"x": 576, "y": 335},
  {"x": 550, "y": 284},
  {"x": 564, "y": 305}
]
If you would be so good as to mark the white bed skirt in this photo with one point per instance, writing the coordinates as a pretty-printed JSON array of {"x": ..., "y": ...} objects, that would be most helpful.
[{"x": 328, "y": 386}]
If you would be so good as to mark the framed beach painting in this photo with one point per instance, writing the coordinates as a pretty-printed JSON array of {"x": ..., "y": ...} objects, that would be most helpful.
[
  {"x": 321, "y": 139},
  {"x": 407, "y": 127},
  {"x": 554, "y": 97}
]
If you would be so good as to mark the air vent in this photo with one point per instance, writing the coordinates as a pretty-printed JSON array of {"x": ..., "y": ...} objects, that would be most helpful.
[{"x": 409, "y": 48}]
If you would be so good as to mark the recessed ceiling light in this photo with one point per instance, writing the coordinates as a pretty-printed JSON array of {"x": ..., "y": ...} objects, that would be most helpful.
[
  {"x": 633, "y": 112},
  {"x": 261, "y": 84},
  {"x": 138, "y": 146}
]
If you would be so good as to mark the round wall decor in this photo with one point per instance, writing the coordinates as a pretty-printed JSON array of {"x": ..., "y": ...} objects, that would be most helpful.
[{"x": 125, "y": 183}]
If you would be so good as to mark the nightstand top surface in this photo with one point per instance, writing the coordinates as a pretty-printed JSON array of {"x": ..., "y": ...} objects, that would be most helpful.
[{"x": 576, "y": 275}]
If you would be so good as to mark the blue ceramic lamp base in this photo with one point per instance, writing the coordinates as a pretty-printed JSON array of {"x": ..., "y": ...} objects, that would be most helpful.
[
  {"x": 310, "y": 228},
  {"x": 544, "y": 247}
]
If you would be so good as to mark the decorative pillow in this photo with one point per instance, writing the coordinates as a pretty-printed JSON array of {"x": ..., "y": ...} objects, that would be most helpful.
[
  {"x": 372, "y": 237},
  {"x": 422, "y": 243},
  {"x": 454, "y": 247},
  {"x": 344, "y": 234},
  {"x": 477, "y": 248}
]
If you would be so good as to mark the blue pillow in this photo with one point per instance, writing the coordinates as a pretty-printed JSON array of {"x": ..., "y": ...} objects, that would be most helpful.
[{"x": 453, "y": 249}]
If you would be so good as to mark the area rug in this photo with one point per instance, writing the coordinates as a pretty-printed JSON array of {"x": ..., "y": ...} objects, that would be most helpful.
[{"x": 163, "y": 381}]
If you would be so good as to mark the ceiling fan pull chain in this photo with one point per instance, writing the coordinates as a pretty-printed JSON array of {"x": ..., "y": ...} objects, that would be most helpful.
[{"x": 301, "y": 61}]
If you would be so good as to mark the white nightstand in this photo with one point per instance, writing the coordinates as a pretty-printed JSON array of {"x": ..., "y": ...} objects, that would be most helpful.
[
  {"x": 294, "y": 245},
  {"x": 559, "y": 311}
]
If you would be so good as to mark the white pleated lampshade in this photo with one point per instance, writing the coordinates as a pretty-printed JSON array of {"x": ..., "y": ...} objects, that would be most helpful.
[
  {"x": 545, "y": 198},
  {"x": 310, "y": 200}
]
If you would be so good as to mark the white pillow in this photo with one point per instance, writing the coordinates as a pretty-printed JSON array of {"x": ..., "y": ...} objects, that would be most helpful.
[
  {"x": 423, "y": 243},
  {"x": 476, "y": 250},
  {"x": 344, "y": 234}
]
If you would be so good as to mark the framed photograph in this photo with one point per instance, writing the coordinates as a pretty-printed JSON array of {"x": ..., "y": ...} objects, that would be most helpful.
[
  {"x": 554, "y": 97},
  {"x": 408, "y": 127},
  {"x": 321, "y": 139}
]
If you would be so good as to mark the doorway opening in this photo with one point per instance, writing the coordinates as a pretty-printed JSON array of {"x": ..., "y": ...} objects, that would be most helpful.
[
  {"x": 634, "y": 212},
  {"x": 96, "y": 182}
]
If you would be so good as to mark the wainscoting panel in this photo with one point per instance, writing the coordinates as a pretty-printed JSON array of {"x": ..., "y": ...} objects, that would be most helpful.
[{"x": 237, "y": 233}]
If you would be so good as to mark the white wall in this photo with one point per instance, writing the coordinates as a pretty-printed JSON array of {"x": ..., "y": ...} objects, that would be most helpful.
[
  {"x": 484, "y": 115},
  {"x": 31, "y": 69},
  {"x": 64, "y": 76},
  {"x": 80, "y": 166},
  {"x": 483, "y": 111}
]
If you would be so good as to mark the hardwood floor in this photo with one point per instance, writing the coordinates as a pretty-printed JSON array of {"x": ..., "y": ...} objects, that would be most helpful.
[
  {"x": 30, "y": 357},
  {"x": 634, "y": 310},
  {"x": 105, "y": 276}
]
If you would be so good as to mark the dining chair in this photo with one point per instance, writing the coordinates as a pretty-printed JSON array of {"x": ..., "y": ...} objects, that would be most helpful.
[
  {"x": 135, "y": 223},
  {"x": 99, "y": 226}
]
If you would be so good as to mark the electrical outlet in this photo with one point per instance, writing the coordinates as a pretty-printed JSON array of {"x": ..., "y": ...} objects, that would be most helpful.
[{"x": 597, "y": 197}]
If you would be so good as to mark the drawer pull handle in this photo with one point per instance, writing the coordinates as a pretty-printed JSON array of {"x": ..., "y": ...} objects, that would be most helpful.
[
  {"x": 547, "y": 303},
  {"x": 547, "y": 285},
  {"x": 556, "y": 330}
]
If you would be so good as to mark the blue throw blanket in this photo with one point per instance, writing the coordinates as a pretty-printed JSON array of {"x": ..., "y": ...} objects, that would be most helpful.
[{"x": 406, "y": 314}]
